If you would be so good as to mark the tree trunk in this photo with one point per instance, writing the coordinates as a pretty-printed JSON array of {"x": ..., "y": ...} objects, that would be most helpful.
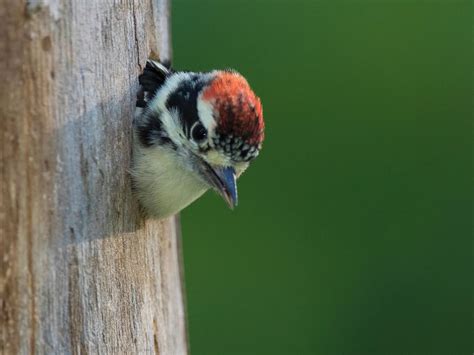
[{"x": 81, "y": 271}]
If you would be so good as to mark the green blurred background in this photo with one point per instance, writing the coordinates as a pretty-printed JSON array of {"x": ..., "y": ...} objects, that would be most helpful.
[{"x": 353, "y": 233}]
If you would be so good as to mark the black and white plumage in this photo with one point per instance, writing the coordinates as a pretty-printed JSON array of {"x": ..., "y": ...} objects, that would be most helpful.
[{"x": 192, "y": 132}]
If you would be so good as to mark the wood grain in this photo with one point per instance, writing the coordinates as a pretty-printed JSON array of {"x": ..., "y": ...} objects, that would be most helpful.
[{"x": 81, "y": 271}]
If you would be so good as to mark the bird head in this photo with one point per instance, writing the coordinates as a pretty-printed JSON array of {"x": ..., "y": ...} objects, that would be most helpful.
[
  {"x": 228, "y": 132},
  {"x": 210, "y": 124}
]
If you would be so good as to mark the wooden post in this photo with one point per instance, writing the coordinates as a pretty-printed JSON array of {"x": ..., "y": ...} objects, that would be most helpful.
[{"x": 80, "y": 270}]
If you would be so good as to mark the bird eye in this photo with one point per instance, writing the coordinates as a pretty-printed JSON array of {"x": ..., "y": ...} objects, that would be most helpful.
[{"x": 198, "y": 133}]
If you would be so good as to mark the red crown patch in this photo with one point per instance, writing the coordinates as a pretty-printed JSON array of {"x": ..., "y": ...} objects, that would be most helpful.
[{"x": 238, "y": 110}]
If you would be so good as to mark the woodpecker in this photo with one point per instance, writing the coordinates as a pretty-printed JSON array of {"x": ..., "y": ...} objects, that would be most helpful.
[{"x": 193, "y": 131}]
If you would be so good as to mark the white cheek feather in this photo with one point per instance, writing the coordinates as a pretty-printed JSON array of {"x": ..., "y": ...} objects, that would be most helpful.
[
  {"x": 162, "y": 185},
  {"x": 170, "y": 119},
  {"x": 172, "y": 126},
  {"x": 205, "y": 112},
  {"x": 216, "y": 158},
  {"x": 240, "y": 168}
]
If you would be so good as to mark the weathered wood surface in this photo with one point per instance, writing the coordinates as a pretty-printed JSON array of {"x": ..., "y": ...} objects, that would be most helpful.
[{"x": 80, "y": 270}]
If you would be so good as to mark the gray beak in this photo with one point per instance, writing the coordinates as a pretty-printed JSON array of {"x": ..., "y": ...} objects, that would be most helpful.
[{"x": 223, "y": 180}]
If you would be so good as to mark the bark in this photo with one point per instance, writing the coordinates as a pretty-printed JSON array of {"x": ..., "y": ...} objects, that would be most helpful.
[{"x": 81, "y": 271}]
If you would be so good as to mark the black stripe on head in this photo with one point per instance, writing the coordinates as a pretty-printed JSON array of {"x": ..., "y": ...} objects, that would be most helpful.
[
  {"x": 184, "y": 100},
  {"x": 150, "y": 131}
]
